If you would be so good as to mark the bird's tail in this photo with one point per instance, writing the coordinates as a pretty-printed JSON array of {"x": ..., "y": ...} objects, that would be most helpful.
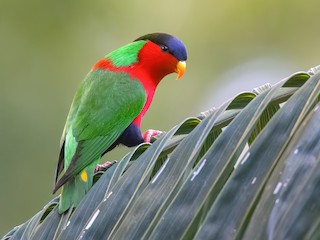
[{"x": 75, "y": 189}]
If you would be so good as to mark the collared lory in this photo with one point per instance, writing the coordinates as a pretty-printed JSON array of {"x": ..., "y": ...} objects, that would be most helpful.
[{"x": 108, "y": 108}]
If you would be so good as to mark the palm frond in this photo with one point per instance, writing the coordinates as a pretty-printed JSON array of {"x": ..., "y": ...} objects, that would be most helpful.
[{"x": 249, "y": 169}]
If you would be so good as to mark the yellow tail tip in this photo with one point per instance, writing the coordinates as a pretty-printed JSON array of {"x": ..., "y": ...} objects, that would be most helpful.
[{"x": 84, "y": 176}]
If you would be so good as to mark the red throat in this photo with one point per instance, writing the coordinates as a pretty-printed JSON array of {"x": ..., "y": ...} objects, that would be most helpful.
[{"x": 152, "y": 66}]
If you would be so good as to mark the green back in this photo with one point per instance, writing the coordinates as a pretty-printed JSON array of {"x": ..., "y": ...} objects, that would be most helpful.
[{"x": 105, "y": 104}]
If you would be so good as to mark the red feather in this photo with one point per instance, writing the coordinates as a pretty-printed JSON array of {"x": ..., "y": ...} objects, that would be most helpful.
[{"x": 153, "y": 64}]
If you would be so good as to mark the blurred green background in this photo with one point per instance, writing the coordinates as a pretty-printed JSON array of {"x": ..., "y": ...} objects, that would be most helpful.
[{"x": 47, "y": 47}]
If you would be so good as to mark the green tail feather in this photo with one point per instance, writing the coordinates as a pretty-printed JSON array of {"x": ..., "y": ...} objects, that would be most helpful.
[{"x": 75, "y": 189}]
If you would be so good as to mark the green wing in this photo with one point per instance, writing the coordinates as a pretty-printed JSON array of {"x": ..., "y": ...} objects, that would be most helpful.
[{"x": 104, "y": 106}]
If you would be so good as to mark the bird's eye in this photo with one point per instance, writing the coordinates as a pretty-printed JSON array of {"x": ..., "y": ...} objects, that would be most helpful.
[{"x": 164, "y": 48}]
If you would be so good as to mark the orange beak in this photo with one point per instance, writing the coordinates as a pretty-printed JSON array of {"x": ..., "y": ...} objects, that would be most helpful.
[{"x": 180, "y": 69}]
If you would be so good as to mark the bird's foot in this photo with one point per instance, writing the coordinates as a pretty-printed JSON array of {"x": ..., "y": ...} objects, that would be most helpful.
[
  {"x": 147, "y": 135},
  {"x": 103, "y": 166}
]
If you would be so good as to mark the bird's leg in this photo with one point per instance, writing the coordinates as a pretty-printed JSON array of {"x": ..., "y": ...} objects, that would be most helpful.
[
  {"x": 103, "y": 166},
  {"x": 147, "y": 135}
]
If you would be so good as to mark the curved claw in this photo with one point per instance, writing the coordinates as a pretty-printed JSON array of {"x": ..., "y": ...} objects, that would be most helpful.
[
  {"x": 147, "y": 135},
  {"x": 99, "y": 167}
]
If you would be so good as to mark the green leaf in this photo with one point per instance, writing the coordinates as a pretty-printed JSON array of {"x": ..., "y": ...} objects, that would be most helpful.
[
  {"x": 126, "y": 190},
  {"x": 289, "y": 207},
  {"x": 214, "y": 169},
  {"x": 228, "y": 216},
  {"x": 246, "y": 170},
  {"x": 163, "y": 183}
]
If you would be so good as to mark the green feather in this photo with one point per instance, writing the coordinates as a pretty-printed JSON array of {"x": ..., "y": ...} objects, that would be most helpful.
[
  {"x": 126, "y": 55},
  {"x": 73, "y": 191},
  {"x": 105, "y": 104}
]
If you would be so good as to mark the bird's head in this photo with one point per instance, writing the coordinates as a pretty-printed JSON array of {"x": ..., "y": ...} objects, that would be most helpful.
[
  {"x": 149, "y": 58},
  {"x": 163, "y": 54}
]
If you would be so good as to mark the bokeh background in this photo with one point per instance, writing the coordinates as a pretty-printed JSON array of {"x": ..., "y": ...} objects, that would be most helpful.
[{"x": 47, "y": 47}]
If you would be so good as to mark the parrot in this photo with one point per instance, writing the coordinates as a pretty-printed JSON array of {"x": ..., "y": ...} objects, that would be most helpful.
[{"x": 108, "y": 107}]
